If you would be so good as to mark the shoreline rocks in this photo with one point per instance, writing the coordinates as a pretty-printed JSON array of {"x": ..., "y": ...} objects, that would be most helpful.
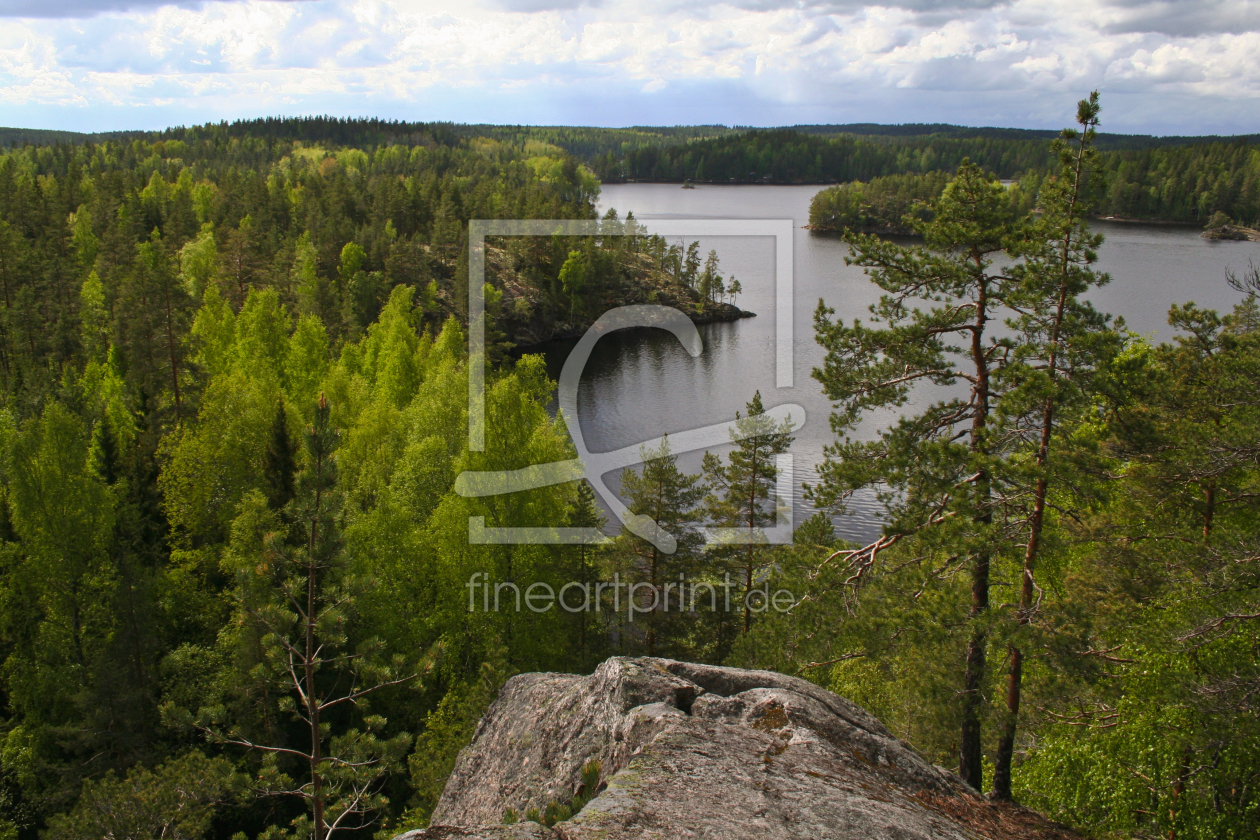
[
  {"x": 719, "y": 313},
  {"x": 1235, "y": 233}
]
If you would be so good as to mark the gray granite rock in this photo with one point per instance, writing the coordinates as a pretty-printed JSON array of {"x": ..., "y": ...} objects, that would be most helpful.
[{"x": 698, "y": 751}]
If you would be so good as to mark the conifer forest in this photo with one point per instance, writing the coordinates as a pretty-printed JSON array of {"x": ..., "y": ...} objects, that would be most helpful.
[{"x": 234, "y": 567}]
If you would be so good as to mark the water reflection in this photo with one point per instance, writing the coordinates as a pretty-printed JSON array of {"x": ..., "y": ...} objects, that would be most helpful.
[{"x": 641, "y": 384}]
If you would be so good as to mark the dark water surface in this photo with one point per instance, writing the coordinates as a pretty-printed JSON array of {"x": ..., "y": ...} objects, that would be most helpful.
[{"x": 641, "y": 384}]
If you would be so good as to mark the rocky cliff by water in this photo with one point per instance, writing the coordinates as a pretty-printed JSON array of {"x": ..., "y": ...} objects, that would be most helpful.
[{"x": 677, "y": 750}]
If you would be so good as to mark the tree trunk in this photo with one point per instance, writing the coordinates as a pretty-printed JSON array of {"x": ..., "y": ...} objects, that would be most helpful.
[
  {"x": 1209, "y": 508},
  {"x": 748, "y": 552},
  {"x": 1014, "y": 688},
  {"x": 970, "y": 752},
  {"x": 1006, "y": 743},
  {"x": 970, "y": 748},
  {"x": 312, "y": 699}
]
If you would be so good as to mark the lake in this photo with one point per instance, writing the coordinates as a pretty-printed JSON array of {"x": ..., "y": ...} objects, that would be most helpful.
[{"x": 642, "y": 384}]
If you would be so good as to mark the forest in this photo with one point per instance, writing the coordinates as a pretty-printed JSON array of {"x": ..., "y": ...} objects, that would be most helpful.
[
  {"x": 235, "y": 570},
  {"x": 1178, "y": 183},
  {"x": 1170, "y": 179}
]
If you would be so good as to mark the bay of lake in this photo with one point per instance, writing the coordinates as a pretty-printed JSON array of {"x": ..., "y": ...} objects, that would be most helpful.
[{"x": 641, "y": 384}]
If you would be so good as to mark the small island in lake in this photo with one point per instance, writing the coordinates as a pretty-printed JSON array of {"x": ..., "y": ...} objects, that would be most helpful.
[
  {"x": 537, "y": 295},
  {"x": 1222, "y": 227}
]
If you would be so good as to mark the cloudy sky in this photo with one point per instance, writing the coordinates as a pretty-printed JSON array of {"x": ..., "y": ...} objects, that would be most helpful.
[{"x": 1163, "y": 66}]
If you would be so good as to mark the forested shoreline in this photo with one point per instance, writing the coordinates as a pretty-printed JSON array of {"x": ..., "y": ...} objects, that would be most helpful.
[
  {"x": 1171, "y": 179},
  {"x": 237, "y": 589},
  {"x": 1177, "y": 183}
]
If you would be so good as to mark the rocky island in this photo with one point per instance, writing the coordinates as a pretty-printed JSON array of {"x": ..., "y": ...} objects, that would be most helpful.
[{"x": 1222, "y": 227}]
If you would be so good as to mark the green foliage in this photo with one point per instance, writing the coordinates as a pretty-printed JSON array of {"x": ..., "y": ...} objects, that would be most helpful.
[
  {"x": 160, "y": 353},
  {"x": 174, "y": 304},
  {"x": 1154, "y": 763},
  {"x": 447, "y": 730},
  {"x": 574, "y": 275},
  {"x": 558, "y": 812},
  {"x": 1138, "y": 578},
  {"x": 671, "y": 499},
  {"x": 296, "y": 612},
  {"x": 279, "y": 461},
  {"x": 199, "y": 263},
  {"x": 879, "y": 205},
  {"x": 1167, "y": 718},
  {"x": 742, "y": 495},
  {"x": 64, "y": 515},
  {"x": 942, "y": 472},
  {"x": 1218, "y": 221},
  {"x": 175, "y": 800},
  {"x": 95, "y": 317}
]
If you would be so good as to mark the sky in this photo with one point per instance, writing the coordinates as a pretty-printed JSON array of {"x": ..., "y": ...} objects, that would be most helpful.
[{"x": 1162, "y": 66}]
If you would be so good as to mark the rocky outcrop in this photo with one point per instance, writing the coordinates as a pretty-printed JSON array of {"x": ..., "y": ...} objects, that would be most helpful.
[
  {"x": 697, "y": 751},
  {"x": 1236, "y": 233}
]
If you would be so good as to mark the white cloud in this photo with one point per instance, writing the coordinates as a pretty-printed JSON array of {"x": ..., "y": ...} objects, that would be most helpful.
[{"x": 649, "y": 61}]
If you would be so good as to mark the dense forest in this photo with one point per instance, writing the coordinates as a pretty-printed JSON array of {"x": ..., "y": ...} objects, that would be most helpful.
[
  {"x": 788, "y": 156},
  {"x": 1102, "y": 140},
  {"x": 1203, "y": 185},
  {"x": 176, "y": 313},
  {"x": 1184, "y": 183},
  {"x": 1174, "y": 179},
  {"x": 238, "y": 597},
  {"x": 891, "y": 204}
]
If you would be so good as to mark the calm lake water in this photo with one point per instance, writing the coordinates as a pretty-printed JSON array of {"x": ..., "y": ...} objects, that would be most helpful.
[{"x": 642, "y": 384}]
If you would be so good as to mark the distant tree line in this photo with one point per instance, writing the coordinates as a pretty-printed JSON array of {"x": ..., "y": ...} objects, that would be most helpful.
[
  {"x": 1194, "y": 184},
  {"x": 787, "y": 156},
  {"x": 1179, "y": 179},
  {"x": 1185, "y": 183}
]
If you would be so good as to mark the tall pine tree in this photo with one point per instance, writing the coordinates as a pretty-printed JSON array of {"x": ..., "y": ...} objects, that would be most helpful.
[
  {"x": 743, "y": 494},
  {"x": 934, "y": 470}
]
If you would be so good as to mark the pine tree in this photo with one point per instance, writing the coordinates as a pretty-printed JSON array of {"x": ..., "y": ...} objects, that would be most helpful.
[
  {"x": 590, "y": 645},
  {"x": 710, "y": 284},
  {"x": 691, "y": 265},
  {"x": 1059, "y": 352},
  {"x": 671, "y": 498},
  {"x": 743, "y": 490},
  {"x": 106, "y": 450},
  {"x": 302, "y": 598},
  {"x": 241, "y": 259},
  {"x": 939, "y": 466},
  {"x": 279, "y": 461},
  {"x": 161, "y": 314}
]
